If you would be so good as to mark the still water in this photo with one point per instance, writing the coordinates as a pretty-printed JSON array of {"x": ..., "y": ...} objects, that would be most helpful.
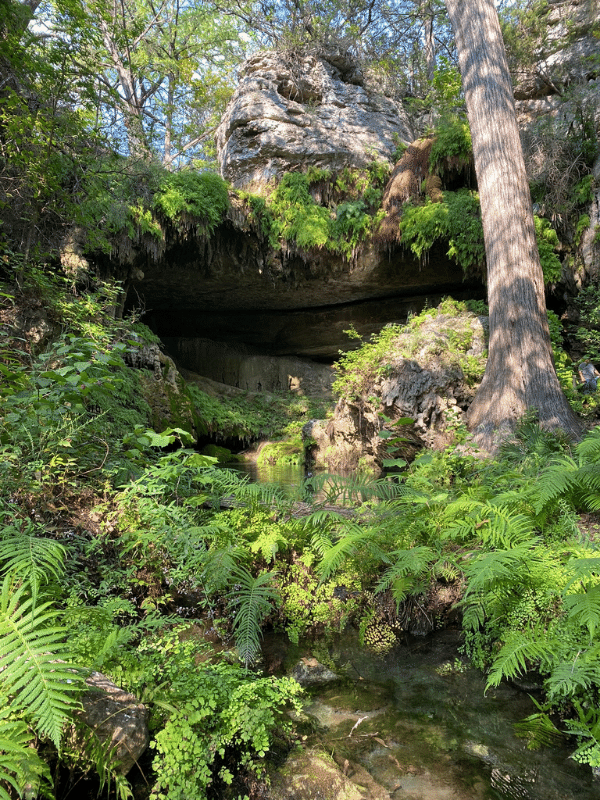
[{"x": 419, "y": 721}]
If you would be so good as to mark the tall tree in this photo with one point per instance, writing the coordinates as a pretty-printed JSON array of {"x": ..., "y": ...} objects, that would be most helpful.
[
  {"x": 520, "y": 372},
  {"x": 150, "y": 59}
]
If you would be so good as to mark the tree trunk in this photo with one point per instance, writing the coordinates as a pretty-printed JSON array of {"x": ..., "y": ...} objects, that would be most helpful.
[
  {"x": 520, "y": 372},
  {"x": 426, "y": 14}
]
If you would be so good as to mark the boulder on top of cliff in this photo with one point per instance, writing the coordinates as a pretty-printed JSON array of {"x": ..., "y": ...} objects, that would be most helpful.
[{"x": 310, "y": 111}]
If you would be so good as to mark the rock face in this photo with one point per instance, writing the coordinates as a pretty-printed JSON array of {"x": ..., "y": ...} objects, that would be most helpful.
[
  {"x": 289, "y": 111},
  {"x": 568, "y": 52},
  {"x": 117, "y": 719},
  {"x": 240, "y": 367}
]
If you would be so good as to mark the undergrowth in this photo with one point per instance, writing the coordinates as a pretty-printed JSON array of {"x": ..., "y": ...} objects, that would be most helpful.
[{"x": 108, "y": 530}]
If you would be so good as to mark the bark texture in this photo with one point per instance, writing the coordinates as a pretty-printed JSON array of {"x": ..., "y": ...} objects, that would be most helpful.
[{"x": 520, "y": 372}]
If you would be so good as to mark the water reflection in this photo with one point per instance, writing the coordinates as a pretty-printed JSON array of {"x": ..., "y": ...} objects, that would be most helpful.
[
  {"x": 429, "y": 730},
  {"x": 348, "y": 489}
]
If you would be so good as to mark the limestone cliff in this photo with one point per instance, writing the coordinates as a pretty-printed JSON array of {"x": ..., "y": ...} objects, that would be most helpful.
[{"x": 291, "y": 111}]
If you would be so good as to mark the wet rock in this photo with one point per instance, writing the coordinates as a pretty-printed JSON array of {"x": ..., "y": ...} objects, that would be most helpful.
[
  {"x": 313, "y": 774},
  {"x": 309, "y": 672},
  {"x": 163, "y": 388},
  {"x": 115, "y": 717}
]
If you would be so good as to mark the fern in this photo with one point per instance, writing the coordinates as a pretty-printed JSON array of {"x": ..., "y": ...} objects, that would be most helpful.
[
  {"x": 539, "y": 730},
  {"x": 218, "y": 566},
  {"x": 253, "y": 598},
  {"x": 408, "y": 565},
  {"x": 570, "y": 677},
  {"x": 506, "y": 529},
  {"x": 354, "y": 539},
  {"x": 517, "y": 655},
  {"x": 556, "y": 481},
  {"x": 499, "y": 567},
  {"x": 32, "y": 661},
  {"x": 29, "y": 558},
  {"x": 586, "y": 728},
  {"x": 589, "y": 447},
  {"x": 19, "y": 762},
  {"x": 583, "y": 568},
  {"x": 256, "y": 494},
  {"x": 583, "y": 608}
]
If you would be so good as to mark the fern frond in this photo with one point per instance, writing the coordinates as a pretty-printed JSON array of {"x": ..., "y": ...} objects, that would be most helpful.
[
  {"x": 412, "y": 562},
  {"x": 19, "y": 762},
  {"x": 570, "y": 677},
  {"x": 321, "y": 518},
  {"x": 321, "y": 542},
  {"x": 588, "y": 448},
  {"x": 517, "y": 655},
  {"x": 253, "y": 599},
  {"x": 539, "y": 730},
  {"x": 474, "y": 612},
  {"x": 32, "y": 661},
  {"x": 583, "y": 608},
  {"x": 499, "y": 566},
  {"x": 582, "y": 569},
  {"x": 31, "y": 559},
  {"x": 257, "y": 494},
  {"x": 352, "y": 541},
  {"x": 505, "y": 529},
  {"x": 386, "y": 489},
  {"x": 349, "y": 489},
  {"x": 558, "y": 479},
  {"x": 218, "y": 565}
]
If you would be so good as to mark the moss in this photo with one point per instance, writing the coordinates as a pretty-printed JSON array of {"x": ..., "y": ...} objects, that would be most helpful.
[{"x": 222, "y": 454}]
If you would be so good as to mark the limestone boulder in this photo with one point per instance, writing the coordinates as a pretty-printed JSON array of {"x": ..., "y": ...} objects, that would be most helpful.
[
  {"x": 310, "y": 672},
  {"x": 163, "y": 388},
  {"x": 429, "y": 387},
  {"x": 310, "y": 774},
  {"x": 117, "y": 719},
  {"x": 291, "y": 111}
]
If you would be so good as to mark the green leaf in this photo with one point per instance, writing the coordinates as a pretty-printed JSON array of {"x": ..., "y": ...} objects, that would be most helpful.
[
  {"x": 33, "y": 662},
  {"x": 252, "y": 598},
  {"x": 394, "y": 462}
]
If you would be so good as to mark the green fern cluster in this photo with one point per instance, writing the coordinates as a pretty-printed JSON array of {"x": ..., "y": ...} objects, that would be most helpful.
[
  {"x": 189, "y": 197},
  {"x": 345, "y": 213},
  {"x": 39, "y": 684},
  {"x": 508, "y": 530}
]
